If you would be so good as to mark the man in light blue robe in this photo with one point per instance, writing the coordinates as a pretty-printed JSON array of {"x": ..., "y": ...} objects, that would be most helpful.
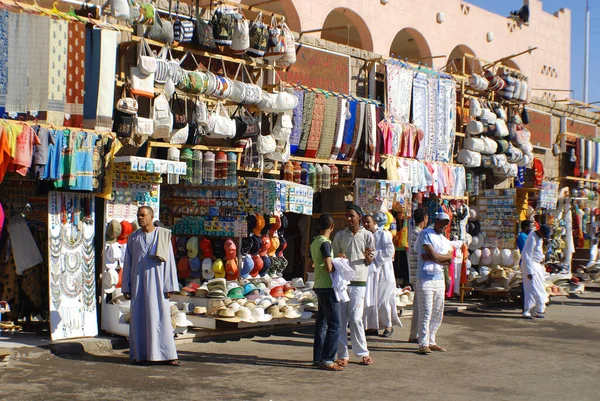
[{"x": 149, "y": 282}]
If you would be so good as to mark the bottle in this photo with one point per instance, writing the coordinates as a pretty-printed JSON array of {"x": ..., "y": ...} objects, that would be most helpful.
[
  {"x": 326, "y": 177},
  {"x": 288, "y": 171},
  {"x": 221, "y": 168},
  {"x": 173, "y": 155},
  {"x": 297, "y": 172},
  {"x": 186, "y": 156},
  {"x": 209, "y": 168},
  {"x": 304, "y": 174},
  {"x": 231, "y": 169},
  {"x": 197, "y": 175},
  {"x": 335, "y": 175},
  {"x": 318, "y": 178}
]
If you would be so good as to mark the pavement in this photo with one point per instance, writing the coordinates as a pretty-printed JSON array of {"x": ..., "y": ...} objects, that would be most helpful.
[{"x": 494, "y": 354}]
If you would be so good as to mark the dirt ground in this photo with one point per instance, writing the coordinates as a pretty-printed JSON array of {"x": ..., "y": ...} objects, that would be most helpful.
[{"x": 494, "y": 354}]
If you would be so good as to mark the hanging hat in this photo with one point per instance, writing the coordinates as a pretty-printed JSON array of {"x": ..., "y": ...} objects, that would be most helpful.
[
  {"x": 477, "y": 242},
  {"x": 112, "y": 255},
  {"x": 219, "y": 269},
  {"x": 468, "y": 239},
  {"x": 192, "y": 247},
  {"x": 181, "y": 246},
  {"x": 126, "y": 231},
  {"x": 251, "y": 219},
  {"x": 473, "y": 214},
  {"x": 266, "y": 265},
  {"x": 196, "y": 267},
  {"x": 507, "y": 258},
  {"x": 113, "y": 230},
  {"x": 110, "y": 278},
  {"x": 260, "y": 224},
  {"x": 207, "y": 269},
  {"x": 474, "y": 228},
  {"x": 496, "y": 257},
  {"x": 246, "y": 246},
  {"x": 247, "y": 266},
  {"x": 266, "y": 243},
  {"x": 206, "y": 247},
  {"x": 284, "y": 224},
  {"x": 486, "y": 257},
  {"x": 218, "y": 246},
  {"x": 282, "y": 246},
  {"x": 230, "y": 249},
  {"x": 183, "y": 268},
  {"x": 231, "y": 269},
  {"x": 275, "y": 225},
  {"x": 273, "y": 247},
  {"x": 258, "y": 265},
  {"x": 256, "y": 245},
  {"x": 475, "y": 257}
]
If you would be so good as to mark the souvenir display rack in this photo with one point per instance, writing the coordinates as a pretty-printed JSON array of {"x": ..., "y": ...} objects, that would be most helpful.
[{"x": 498, "y": 217}]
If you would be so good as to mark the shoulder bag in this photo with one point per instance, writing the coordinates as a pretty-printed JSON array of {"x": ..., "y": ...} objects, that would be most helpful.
[
  {"x": 179, "y": 111},
  {"x": 127, "y": 105},
  {"x": 220, "y": 125},
  {"x": 223, "y": 25},
  {"x": 276, "y": 44},
  {"x": 289, "y": 56},
  {"x": 162, "y": 116},
  {"x": 161, "y": 30},
  {"x": 240, "y": 37},
  {"x": 203, "y": 31},
  {"x": 141, "y": 84},
  {"x": 146, "y": 62},
  {"x": 259, "y": 37}
]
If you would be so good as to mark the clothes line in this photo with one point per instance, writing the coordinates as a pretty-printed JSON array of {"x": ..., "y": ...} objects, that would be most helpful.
[
  {"x": 424, "y": 161},
  {"x": 336, "y": 94},
  {"x": 55, "y": 127}
]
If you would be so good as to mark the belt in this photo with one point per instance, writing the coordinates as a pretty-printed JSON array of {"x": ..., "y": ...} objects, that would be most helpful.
[{"x": 358, "y": 283}]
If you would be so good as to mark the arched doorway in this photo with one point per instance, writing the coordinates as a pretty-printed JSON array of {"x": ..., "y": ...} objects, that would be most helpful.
[
  {"x": 283, "y": 7},
  {"x": 356, "y": 35},
  {"x": 410, "y": 45},
  {"x": 455, "y": 61},
  {"x": 511, "y": 64}
]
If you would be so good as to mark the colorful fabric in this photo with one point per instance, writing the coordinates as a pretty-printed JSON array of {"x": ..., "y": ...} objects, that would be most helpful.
[
  {"x": 340, "y": 121},
  {"x": 297, "y": 122},
  {"x": 18, "y": 39},
  {"x": 24, "y": 151},
  {"x": 399, "y": 90},
  {"x": 307, "y": 115},
  {"x": 55, "y": 148},
  {"x": 75, "y": 75},
  {"x": 328, "y": 131},
  {"x": 316, "y": 127},
  {"x": 3, "y": 58},
  {"x": 348, "y": 130},
  {"x": 371, "y": 139},
  {"x": 85, "y": 142},
  {"x": 358, "y": 130},
  {"x": 419, "y": 107},
  {"x": 67, "y": 167},
  {"x": 39, "y": 71}
]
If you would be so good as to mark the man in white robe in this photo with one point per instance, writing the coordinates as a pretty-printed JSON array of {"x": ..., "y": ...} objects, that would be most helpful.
[
  {"x": 149, "y": 283},
  {"x": 381, "y": 310},
  {"x": 533, "y": 273}
]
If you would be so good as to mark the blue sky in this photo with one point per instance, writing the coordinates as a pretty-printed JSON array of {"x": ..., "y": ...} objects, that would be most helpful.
[{"x": 577, "y": 8}]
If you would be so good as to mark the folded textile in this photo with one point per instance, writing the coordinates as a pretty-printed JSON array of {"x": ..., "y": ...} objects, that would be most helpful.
[
  {"x": 160, "y": 247},
  {"x": 340, "y": 278}
]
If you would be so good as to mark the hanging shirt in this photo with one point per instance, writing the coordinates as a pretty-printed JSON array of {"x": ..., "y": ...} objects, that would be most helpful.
[
  {"x": 55, "y": 147},
  {"x": 84, "y": 158},
  {"x": 24, "y": 151},
  {"x": 67, "y": 166},
  {"x": 41, "y": 151},
  {"x": 386, "y": 130}
]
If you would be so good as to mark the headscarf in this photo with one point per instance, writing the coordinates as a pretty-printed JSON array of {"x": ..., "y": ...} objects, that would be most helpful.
[{"x": 356, "y": 208}]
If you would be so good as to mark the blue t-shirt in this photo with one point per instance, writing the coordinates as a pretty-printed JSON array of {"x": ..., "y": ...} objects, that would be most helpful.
[{"x": 521, "y": 239}]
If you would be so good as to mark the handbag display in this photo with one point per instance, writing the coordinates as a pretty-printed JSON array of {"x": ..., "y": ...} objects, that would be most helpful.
[
  {"x": 203, "y": 31},
  {"x": 162, "y": 66},
  {"x": 146, "y": 62},
  {"x": 200, "y": 116},
  {"x": 193, "y": 82},
  {"x": 240, "y": 37},
  {"x": 259, "y": 37},
  {"x": 265, "y": 144},
  {"x": 162, "y": 117},
  {"x": 127, "y": 105},
  {"x": 252, "y": 123},
  {"x": 220, "y": 125},
  {"x": 183, "y": 29},
  {"x": 144, "y": 126},
  {"x": 283, "y": 128},
  {"x": 161, "y": 30},
  {"x": 141, "y": 84},
  {"x": 120, "y": 10},
  {"x": 179, "y": 136},
  {"x": 179, "y": 111},
  {"x": 276, "y": 43}
]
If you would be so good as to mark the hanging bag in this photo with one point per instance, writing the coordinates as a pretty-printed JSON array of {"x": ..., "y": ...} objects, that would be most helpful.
[
  {"x": 178, "y": 109},
  {"x": 259, "y": 37},
  {"x": 289, "y": 57},
  {"x": 183, "y": 30},
  {"x": 146, "y": 62},
  {"x": 123, "y": 125},
  {"x": 203, "y": 31},
  {"x": 283, "y": 128},
  {"x": 141, "y": 84},
  {"x": 220, "y": 125},
  {"x": 223, "y": 25},
  {"x": 162, "y": 66},
  {"x": 240, "y": 37},
  {"x": 119, "y": 9},
  {"x": 200, "y": 113},
  {"x": 162, "y": 116},
  {"x": 276, "y": 44},
  {"x": 161, "y": 30},
  {"x": 127, "y": 105}
]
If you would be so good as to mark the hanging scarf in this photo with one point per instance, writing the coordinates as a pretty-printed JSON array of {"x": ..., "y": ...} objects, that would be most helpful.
[
  {"x": 92, "y": 73},
  {"x": 307, "y": 115},
  {"x": 75, "y": 75},
  {"x": 40, "y": 72},
  {"x": 358, "y": 131},
  {"x": 297, "y": 122},
  {"x": 419, "y": 109},
  {"x": 340, "y": 122},
  {"x": 371, "y": 138},
  {"x": 316, "y": 126},
  {"x": 18, "y": 39},
  {"x": 399, "y": 90},
  {"x": 3, "y": 58},
  {"x": 106, "y": 82},
  {"x": 329, "y": 122},
  {"x": 348, "y": 130},
  {"x": 57, "y": 74}
]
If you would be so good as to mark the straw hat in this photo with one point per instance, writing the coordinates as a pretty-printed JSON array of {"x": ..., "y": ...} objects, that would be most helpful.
[
  {"x": 260, "y": 316},
  {"x": 110, "y": 278},
  {"x": 245, "y": 315}
]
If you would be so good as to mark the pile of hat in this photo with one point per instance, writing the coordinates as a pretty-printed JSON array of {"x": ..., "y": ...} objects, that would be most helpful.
[
  {"x": 262, "y": 299},
  {"x": 496, "y": 140},
  {"x": 474, "y": 237},
  {"x": 117, "y": 234},
  {"x": 203, "y": 258},
  {"x": 262, "y": 251},
  {"x": 494, "y": 268},
  {"x": 404, "y": 297}
]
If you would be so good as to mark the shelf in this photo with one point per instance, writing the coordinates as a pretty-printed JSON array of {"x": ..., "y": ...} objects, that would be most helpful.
[
  {"x": 570, "y": 178},
  {"x": 195, "y": 147},
  {"x": 257, "y": 170},
  {"x": 322, "y": 161},
  {"x": 450, "y": 197}
]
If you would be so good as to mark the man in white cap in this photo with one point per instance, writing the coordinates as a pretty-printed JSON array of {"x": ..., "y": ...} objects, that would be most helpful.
[{"x": 435, "y": 252}]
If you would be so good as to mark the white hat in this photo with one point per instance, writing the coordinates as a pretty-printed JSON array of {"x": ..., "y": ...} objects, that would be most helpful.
[
  {"x": 477, "y": 242},
  {"x": 202, "y": 292},
  {"x": 516, "y": 256},
  {"x": 472, "y": 214},
  {"x": 309, "y": 285},
  {"x": 110, "y": 278},
  {"x": 260, "y": 316},
  {"x": 207, "y": 269},
  {"x": 507, "y": 258},
  {"x": 486, "y": 257},
  {"x": 181, "y": 320},
  {"x": 496, "y": 257},
  {"x": 112, "y": 255},
  {"x": 292, "y": 313},
  {"x": 298, "y": 282},
  {"x": 442, "y": 216},
  {"x": 245, "y": 315},
  {"x": 234, "y": 306},
  {"x": 475, "y": 257}
]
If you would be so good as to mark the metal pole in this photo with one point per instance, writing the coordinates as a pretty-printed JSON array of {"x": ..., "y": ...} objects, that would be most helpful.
[{"x": 586, "y": 55}]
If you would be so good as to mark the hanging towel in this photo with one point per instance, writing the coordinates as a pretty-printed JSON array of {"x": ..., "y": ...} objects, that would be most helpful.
[
  {"x": 297, "y": 122},
  {"x": 38, "y": 69},
  {"x": 329, "y": 123},
  {"x": 340, "y": 122},
  {"x": 18, "y": 39},
  {"x": 75, "y": 75},
  {"x": 57, "y": 74},
  {"x": 106, "y": 83},
  {"x": 314, "y": 138},
  {"x": 419, "y": 108},
  {"x": 92, "y": 75},
  {"x": 371, "y": 138},
  {"x": 399, "y": 91},
  {"x": 3, "y": 58},
  {"x": 307, "y": 115}
]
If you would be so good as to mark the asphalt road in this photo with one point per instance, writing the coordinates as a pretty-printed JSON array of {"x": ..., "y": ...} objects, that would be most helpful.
[{"x": 494, "y": 354}]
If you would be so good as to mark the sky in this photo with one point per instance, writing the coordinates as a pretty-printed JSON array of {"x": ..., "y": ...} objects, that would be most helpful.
[{"x": 577, "y": 8}]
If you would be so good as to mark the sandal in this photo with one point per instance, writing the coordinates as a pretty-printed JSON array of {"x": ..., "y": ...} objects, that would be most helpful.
[
  {"x": 366, "y": 360},
  {"x": 332, "y": 366},
  {"x": 174, "y": 362},
  {"x": 343, "y": 362},
  {"x": 435, "y": 347}
]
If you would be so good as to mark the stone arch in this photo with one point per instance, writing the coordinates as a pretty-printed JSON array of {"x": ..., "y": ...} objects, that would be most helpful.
[
  {"x": 411, "y": 44},
  {"x": 472, "y": 65},
  {"x": 283, "y": 7},
  {"x": 357, "y": 35}
]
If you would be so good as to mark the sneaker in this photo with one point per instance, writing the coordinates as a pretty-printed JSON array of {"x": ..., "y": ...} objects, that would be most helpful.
[
  {"x": 424, "y": 350},
  {"x": 387, "y": 333}
]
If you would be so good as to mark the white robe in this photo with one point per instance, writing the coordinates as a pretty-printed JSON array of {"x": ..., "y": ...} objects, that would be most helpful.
[
  {"x": 383, "y": 312},
  {"x": 535, "y": 290}
]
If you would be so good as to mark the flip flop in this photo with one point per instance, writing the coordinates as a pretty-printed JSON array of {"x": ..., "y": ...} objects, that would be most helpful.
[
  {"x": 366, "y": 360},
  {"x": 343, "y": 362},
  {"x": 332, "y": 366},
  {"x": 174, "y": 362}
]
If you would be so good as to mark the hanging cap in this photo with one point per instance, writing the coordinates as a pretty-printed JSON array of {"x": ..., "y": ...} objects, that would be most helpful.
[
  {"x": 126, "y": 230},
  {"x": 113, "y": 231}
]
